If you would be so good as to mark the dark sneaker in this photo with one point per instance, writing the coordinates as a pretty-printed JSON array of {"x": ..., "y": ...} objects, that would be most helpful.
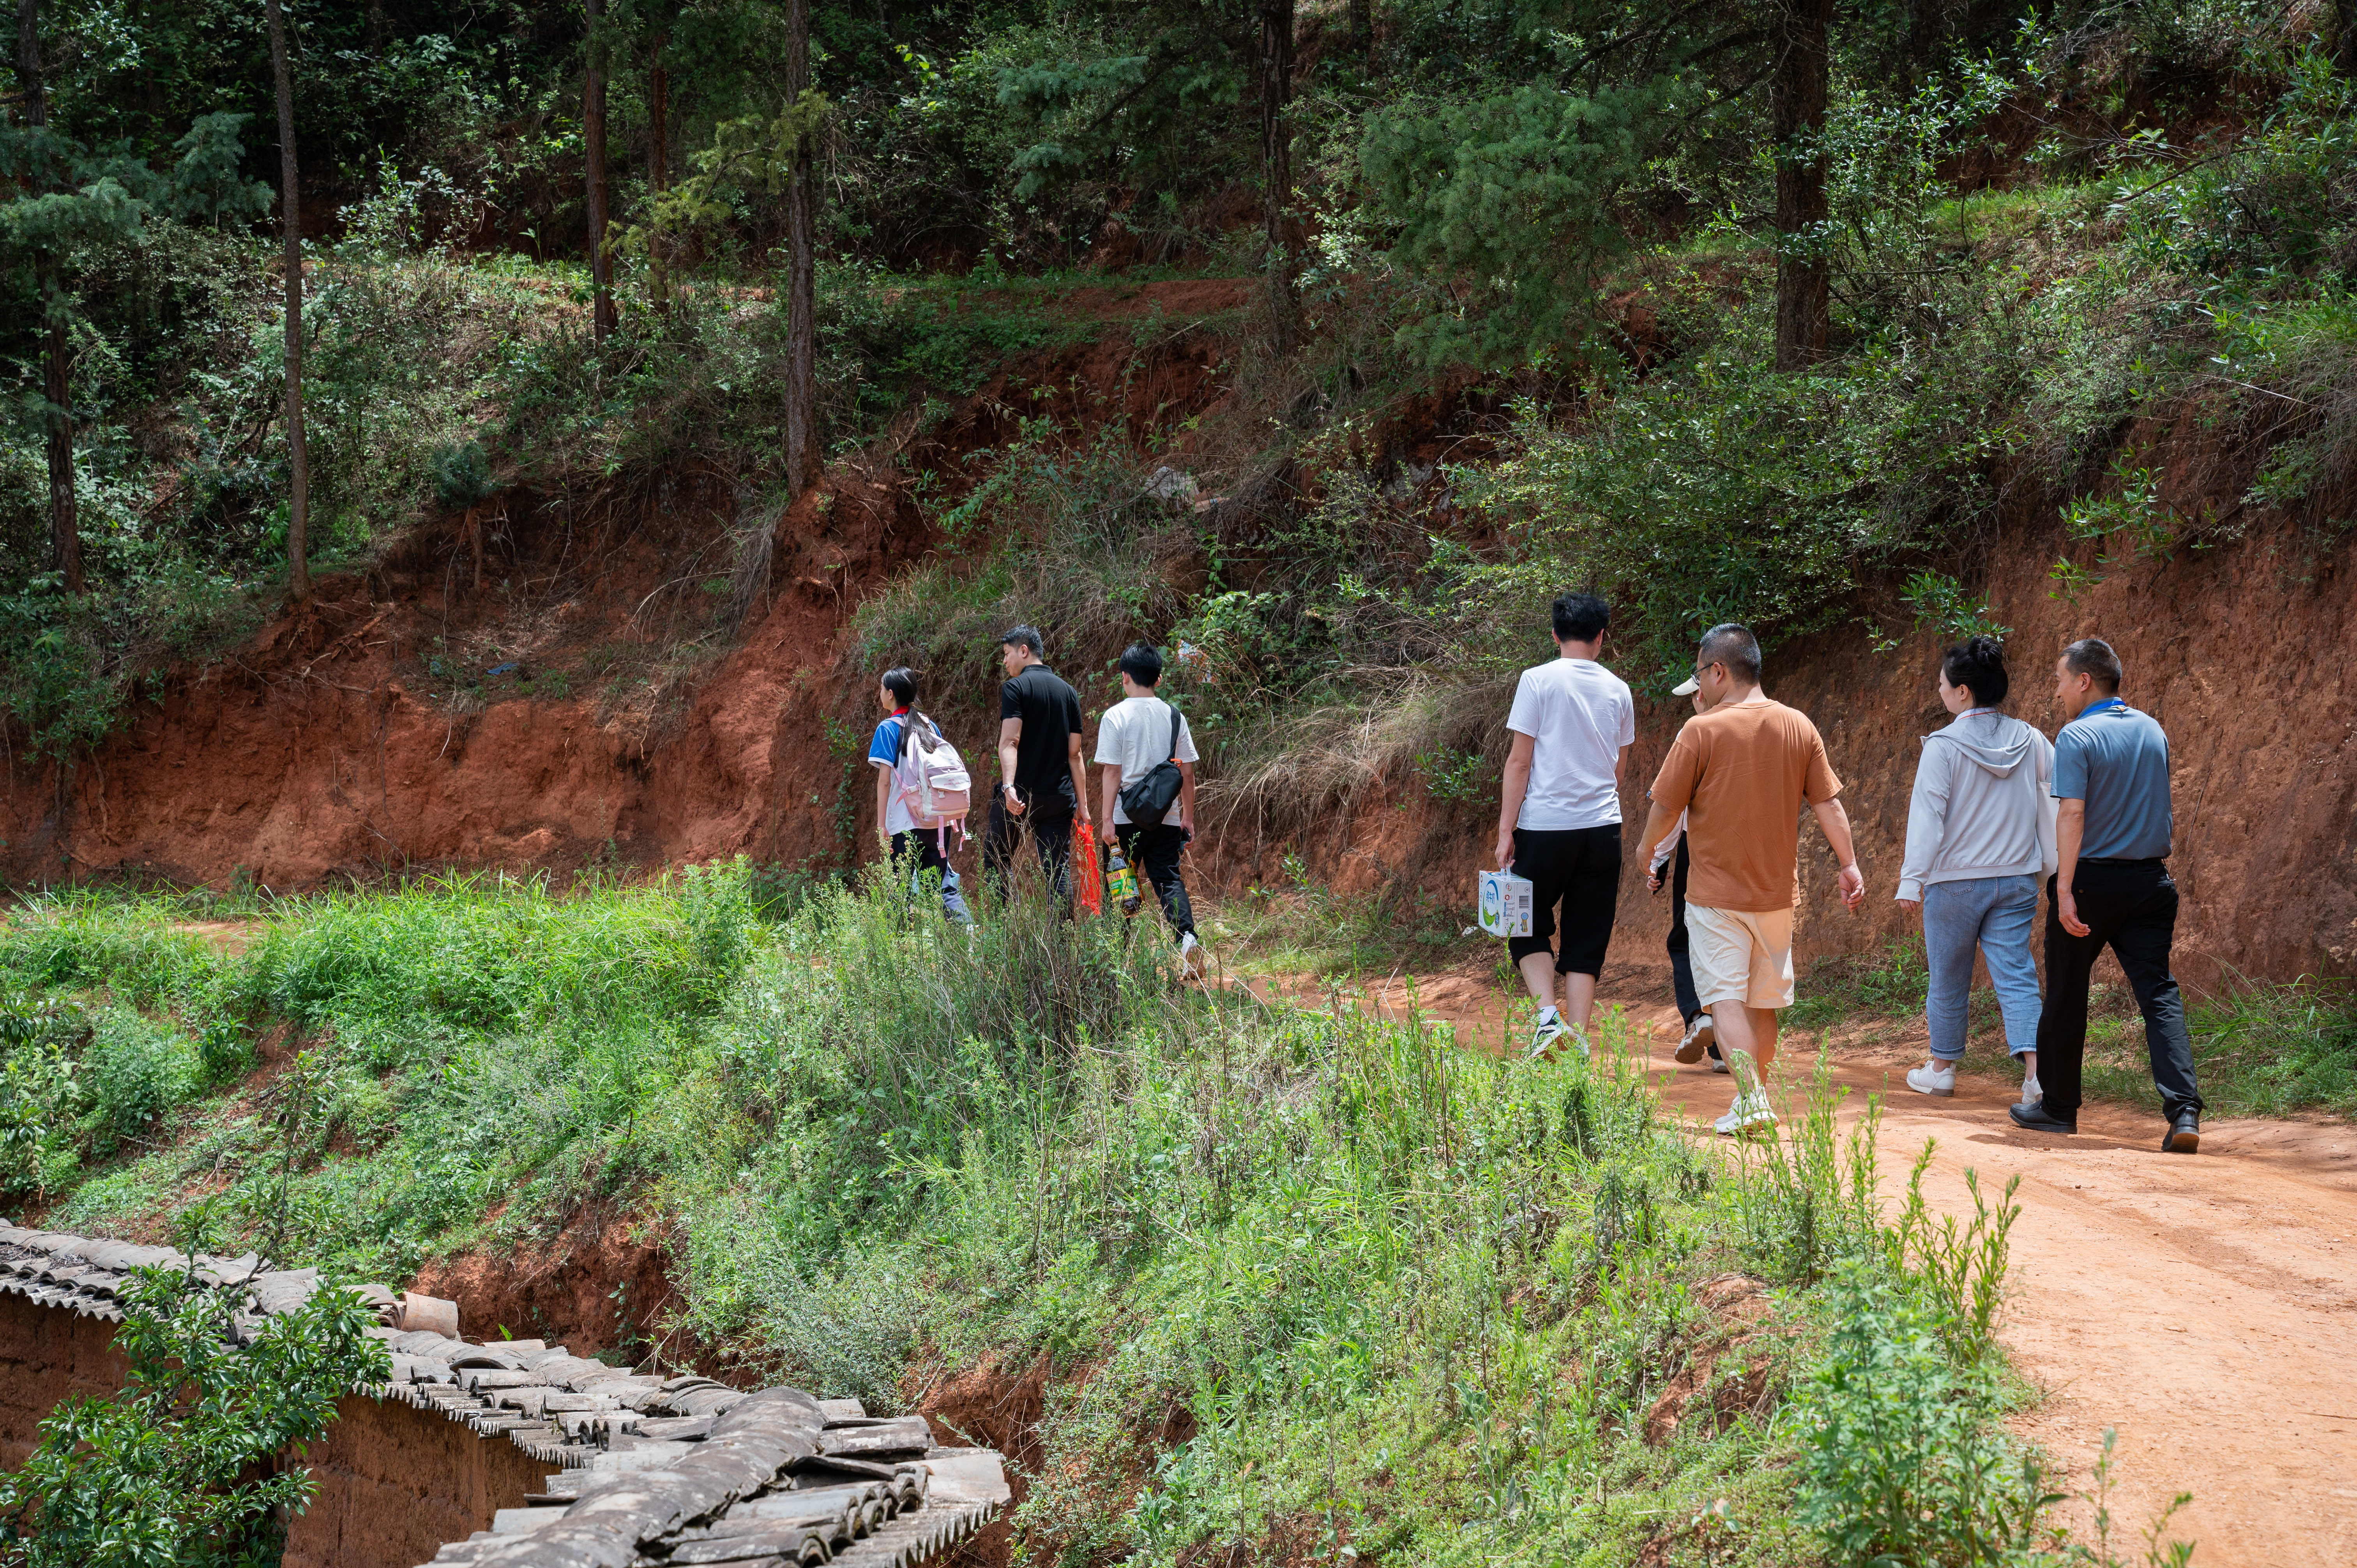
[
  {"x": 2184, "y": 1135},
  {"x": 2036, "y": 1119}
]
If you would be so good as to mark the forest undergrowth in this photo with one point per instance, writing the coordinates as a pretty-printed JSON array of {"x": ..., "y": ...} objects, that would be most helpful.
[{"x": 1319, "y": 1286}]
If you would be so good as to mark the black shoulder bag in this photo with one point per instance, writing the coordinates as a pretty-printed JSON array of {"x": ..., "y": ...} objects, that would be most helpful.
[{"x": 1148, "y": 799}]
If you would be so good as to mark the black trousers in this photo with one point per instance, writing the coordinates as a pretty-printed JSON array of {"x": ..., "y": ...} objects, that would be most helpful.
[
  {"x": 1580, "y": 868},
  {"x": 1680, "y": 966},
  {"x": 919, "y": 851},
  {"x": 2130, "y": 905},
  {"x": 1050, "y": 824},
  {"x": 1154, "y": 853}
]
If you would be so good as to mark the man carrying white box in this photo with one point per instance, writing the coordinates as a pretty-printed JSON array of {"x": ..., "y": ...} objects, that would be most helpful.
[{"x": 1559, "y": 815}]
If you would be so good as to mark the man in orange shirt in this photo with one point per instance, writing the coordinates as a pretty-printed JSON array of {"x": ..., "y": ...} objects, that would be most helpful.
[{"x": 1742, "y": 773}]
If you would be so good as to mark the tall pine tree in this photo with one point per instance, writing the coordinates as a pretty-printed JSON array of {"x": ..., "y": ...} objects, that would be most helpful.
[{"x": 290, "y": 195}]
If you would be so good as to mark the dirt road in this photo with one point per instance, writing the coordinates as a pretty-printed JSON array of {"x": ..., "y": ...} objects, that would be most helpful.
[{"x": 2203, "y": 1306}]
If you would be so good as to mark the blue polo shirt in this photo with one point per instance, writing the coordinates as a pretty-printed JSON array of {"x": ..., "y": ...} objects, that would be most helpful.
[{"x": 2116, "y": 760}]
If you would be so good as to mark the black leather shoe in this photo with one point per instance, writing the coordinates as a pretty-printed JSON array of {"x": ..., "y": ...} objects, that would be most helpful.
[
  {"x": 2184, "y": 1135},
  {"x": 2034, "y": 1118}
]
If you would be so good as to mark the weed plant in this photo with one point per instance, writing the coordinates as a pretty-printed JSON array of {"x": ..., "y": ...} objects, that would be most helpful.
[{"x": 1293, "y": 1280}]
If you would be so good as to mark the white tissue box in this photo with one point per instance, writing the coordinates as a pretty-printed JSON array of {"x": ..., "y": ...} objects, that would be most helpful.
[{"x": 1506, "y": 904}]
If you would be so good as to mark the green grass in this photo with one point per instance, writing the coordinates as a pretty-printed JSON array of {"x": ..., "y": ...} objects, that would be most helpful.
[
  {"x": 2260, "y": 1048},
  {"x": 1301, "y": 1282},
  {"x": 1297, "y": 925}
]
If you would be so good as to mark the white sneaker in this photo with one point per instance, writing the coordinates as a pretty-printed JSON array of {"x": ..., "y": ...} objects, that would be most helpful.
[
  {"x": 1191, "y": 956},
  {"x": 2031, "y": 1090},
  {"x": 1750, "y": 1114},
  {"x": 1933, "y": 1078},
  {"x": 1699, "y": 1036},
  {"x": 1549, "y": 1030},
  {"x": 1718, "y": 1064}
]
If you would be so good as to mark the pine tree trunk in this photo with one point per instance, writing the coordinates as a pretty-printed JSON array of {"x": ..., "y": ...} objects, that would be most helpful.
[
  {"x": 802, "y": 271},
  {"x": 1362, "y": 22},
  {"x": 602, "y": 315},
  {"x": 1797, "y": 112},
  {"x": 658, "y": 174},
  {"x": 57, "y": 387},
  {"x": 1276, "y": 167},
  {"x": 290, "y": 193}
]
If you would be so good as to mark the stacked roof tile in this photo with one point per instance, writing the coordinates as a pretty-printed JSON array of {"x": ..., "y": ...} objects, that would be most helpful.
[{"x": 648, "y": 1470}]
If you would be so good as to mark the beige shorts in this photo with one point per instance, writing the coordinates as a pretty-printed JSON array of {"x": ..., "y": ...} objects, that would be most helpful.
[{"x": 1740, "y": 955}]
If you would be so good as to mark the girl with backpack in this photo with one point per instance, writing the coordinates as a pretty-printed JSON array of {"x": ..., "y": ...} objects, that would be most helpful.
[{"x": 922, "y": 790}]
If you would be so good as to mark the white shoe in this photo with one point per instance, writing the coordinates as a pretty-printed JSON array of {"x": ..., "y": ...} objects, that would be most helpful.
[
  {"x": 2031, "y": 1090},
  {"x": 1699, "y": 1036},
  {"x": 1191, "y": 957},
  {"x": 1550, "y": 1029},
  {"x": 1936, "y": 1078},
  {"x": 1750, "y": 1114},
  {"x": 1718, "y": 1064}
]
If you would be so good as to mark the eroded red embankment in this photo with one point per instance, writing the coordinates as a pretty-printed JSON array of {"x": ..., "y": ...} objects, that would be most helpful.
[
  {"x": 315, "y": 752},
  {"x": 2247, "y": 653},
  {"x": 395, "y": 1482},
  {"x": 325, "y": 746}
]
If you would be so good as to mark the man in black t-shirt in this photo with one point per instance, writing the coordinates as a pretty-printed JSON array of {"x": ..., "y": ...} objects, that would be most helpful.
[{"x": 1043, "y": 783}]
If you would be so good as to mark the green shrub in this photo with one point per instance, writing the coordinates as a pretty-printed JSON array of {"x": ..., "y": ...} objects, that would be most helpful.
[
  {"x": 183, "y": 1466},
  {"x": 138, "y": 1071},
  {"x": 1901, "y": 1461}
]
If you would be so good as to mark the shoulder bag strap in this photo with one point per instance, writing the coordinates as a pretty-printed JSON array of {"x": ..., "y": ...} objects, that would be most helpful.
[{"x": 1174, "y": 729}]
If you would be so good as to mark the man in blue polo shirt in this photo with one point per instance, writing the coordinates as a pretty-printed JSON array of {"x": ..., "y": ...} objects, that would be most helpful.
[{"x": 2112, "y": 885}]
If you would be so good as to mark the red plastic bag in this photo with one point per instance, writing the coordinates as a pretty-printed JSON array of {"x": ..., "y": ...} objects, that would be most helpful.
[{"x": 1088, "y": 875}]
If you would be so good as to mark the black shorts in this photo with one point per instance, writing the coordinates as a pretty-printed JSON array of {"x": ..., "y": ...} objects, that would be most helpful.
[{"x": 1580, "y": 868}]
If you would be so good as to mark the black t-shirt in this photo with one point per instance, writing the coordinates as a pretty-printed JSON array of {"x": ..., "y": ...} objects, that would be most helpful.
[{"x": 1050, "y": 712}]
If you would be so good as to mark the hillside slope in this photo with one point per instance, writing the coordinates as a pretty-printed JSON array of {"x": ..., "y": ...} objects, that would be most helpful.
[{"x": 311, "y": 755}]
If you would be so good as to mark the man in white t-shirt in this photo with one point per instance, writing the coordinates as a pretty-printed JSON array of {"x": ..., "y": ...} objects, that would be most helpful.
[
  {"x": 1559, "y": 814},
  {"x": 1138, "y": 735}
]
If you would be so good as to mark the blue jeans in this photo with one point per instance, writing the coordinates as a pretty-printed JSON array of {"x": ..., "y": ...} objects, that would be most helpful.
[{"x": 1998, "y": 914}]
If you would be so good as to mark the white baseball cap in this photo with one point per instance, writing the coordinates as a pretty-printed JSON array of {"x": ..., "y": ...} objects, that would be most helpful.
[{"x": 1685, "y": 688}]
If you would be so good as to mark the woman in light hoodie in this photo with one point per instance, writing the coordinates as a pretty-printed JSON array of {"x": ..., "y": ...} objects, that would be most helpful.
[{"x": 1980, "y": 835}]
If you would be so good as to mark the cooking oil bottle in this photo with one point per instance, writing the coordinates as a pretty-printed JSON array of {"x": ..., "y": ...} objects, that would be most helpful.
[{"x": 1121, "y": 882}]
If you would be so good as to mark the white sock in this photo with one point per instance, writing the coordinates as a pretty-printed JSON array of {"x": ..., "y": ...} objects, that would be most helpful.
[{"x": 1548, "y": 1013}]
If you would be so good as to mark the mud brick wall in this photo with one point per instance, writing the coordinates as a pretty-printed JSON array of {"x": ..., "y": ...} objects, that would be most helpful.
[
  {"x": 48, "y": 1356},
  {"x": 395, "y": 1482}
]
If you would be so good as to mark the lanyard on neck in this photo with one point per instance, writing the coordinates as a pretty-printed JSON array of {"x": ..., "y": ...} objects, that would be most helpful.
[{"x": 2097, "y": 707}]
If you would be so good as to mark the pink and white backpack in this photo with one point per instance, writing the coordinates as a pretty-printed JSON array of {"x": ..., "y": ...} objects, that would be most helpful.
[{"x": 931, "y": 779}]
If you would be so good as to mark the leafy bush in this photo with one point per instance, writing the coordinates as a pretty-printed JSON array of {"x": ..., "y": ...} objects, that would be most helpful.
[
  {"x": 138, "y": 1071},
  {"x": 1901, "y": 1463},
  {"x": 1723, "y": 490},
  {"x": 1518, "y": 191},
  {"x": 2275, "y": 205},
  {"x": 181, "y": 1467}
]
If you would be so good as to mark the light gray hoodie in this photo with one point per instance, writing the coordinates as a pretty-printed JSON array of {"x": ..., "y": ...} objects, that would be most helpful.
[{"x": 1983, "y": 804}]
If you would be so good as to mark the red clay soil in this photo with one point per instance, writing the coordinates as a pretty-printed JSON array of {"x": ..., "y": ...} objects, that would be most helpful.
[
  {"x": 597, "y": 1284},
  {"x": 321, "y": 749},
  {"x": 2194, "y": 1304},
  {"x": 993, "y": 1406},
  {"x": 2247, "y": 654}
]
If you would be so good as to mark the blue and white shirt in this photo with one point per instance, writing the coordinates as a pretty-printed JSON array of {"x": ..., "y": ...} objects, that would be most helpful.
[{"x": 884, "y": 752}]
